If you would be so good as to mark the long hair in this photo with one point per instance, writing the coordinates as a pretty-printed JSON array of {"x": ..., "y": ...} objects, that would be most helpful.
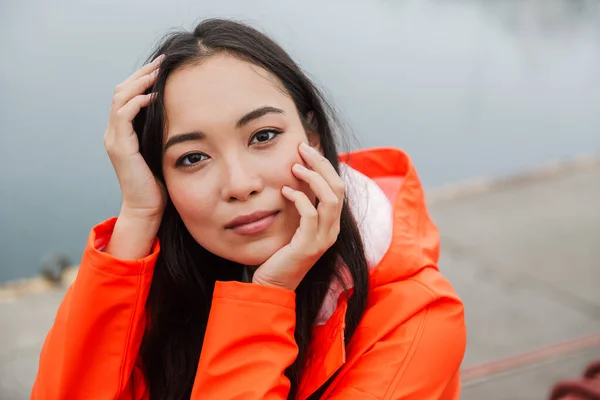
[{"x": 179, "y": 300}]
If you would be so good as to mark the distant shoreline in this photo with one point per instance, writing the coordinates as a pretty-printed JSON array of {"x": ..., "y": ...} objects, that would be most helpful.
[{"x": 475, "y": 186}]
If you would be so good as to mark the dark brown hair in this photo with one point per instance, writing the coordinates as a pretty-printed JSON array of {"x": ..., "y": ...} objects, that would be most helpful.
[{"x": 180, "y": 296}]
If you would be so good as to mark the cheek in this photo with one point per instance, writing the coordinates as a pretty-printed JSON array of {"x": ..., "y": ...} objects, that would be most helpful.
[
  {"x": 194, "y": 203},
  {"x": 281, "y": 169},
  {"x": 279, "y": 166}
]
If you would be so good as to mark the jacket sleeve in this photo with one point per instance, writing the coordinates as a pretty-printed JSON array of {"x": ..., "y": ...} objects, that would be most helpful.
[
  {"x": 248, "y": 344},
  {"x": 429, "y": 348},
  {"x": 91, "y": 349}
]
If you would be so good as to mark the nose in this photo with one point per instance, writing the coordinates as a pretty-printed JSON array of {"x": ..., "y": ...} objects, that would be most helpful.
[{"x": 241, "y": 180}]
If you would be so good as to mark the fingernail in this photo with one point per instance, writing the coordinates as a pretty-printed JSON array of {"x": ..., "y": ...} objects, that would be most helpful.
[
  {"x": 287, "y": 189},
  {"x": 159, "y": 58},
  {"x": 308, "y": 148},
  {"x": 300, "y": 167}
]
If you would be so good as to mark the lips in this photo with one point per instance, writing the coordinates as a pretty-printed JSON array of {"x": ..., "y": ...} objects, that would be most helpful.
[{"x": 252, "y": 223}]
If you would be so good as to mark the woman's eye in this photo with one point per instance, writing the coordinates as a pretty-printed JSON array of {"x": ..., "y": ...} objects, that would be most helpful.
[
  {"x": 191, "y": 159},
  {"x": 264, "y": 136}
]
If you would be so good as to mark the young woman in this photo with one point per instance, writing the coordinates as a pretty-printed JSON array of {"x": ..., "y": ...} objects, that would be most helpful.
[{"x": 250, "y": 260}]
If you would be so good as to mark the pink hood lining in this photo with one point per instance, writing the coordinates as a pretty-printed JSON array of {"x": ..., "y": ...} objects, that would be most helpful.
[{"x": 374, "y": 215}]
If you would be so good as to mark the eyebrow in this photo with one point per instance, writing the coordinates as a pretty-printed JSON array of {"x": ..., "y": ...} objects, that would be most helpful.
[
  {"x": 255, "y": 114},
  {"x": 183, "y": 137},
  {"x": 246, "y": 119}
]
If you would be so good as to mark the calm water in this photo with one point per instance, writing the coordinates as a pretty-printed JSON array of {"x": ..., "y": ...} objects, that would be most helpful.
[{"x": 469, "y": 88}]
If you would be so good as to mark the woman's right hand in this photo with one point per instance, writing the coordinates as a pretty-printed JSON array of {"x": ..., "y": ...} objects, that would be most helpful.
[{"x": 143, "y": 197}]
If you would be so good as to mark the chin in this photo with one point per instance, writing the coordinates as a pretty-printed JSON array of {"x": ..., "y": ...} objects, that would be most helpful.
[
  {"x": 256, "y": 253},
  {"x": 253, "y": 258}
]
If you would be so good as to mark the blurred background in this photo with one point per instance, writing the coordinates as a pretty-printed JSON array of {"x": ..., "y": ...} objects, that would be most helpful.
[{"x": 501, "y": 94}]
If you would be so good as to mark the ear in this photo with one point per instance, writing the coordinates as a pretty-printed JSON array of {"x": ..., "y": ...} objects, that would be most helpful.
[{"x": 314, "y": 140}]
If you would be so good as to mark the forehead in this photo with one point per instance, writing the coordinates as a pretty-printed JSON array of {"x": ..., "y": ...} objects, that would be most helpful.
[{"x": 219, "y": 91}]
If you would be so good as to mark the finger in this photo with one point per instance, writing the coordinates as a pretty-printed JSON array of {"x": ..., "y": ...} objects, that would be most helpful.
[
  {"x": 145, "y": 70},
  {"x": 322, "y": 165},
  {"x": 133, "y": 89},
  {"x": 330, "y": 205},
  {"x": 127, "y": 113},
  {"x": 309, "y": 217}
]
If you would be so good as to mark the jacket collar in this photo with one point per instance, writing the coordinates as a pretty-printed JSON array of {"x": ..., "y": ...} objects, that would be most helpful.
[
  {"x": 326, "y": 353},
  {"x": 373, "y": 213},
  {"x": 412, "y": 246}
]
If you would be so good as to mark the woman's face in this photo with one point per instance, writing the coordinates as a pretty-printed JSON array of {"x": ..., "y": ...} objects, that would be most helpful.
[{"x": 231, "y": 139}]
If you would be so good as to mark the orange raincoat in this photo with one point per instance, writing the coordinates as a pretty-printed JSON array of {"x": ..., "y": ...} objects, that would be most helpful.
[{"x": 409, "y": 344}]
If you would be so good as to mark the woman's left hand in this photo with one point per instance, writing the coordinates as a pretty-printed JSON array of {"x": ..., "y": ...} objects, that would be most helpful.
[{"x": 319, "y": 227}]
